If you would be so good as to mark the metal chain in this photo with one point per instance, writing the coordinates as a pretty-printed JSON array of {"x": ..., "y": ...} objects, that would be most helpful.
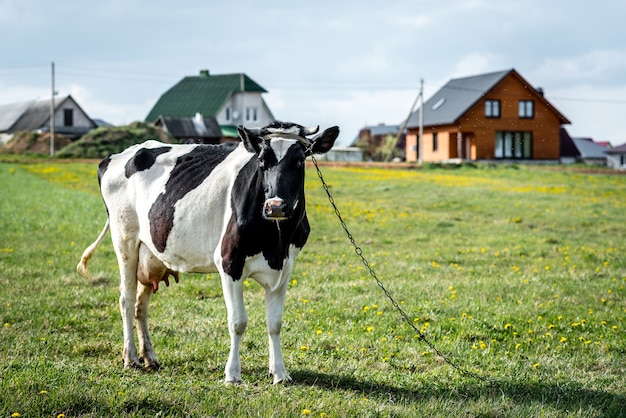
[{"x": 372, "y": 273}]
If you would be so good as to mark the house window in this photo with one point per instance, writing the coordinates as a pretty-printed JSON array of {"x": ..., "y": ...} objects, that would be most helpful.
[
  {"x": 251, "y": 114},
  {"x": 68, "y": 117},
  {"x": 435, "y": 142},
  {"x": 526, "y": 109},
  {"x": 514, "y": 145},
  {"x": 228, "y": 113},
  {"x": 492, "y": 108}
]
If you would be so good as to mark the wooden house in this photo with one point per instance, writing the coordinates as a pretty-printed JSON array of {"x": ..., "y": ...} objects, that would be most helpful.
[
  {"x": 494, "y": 116},
  {"x": 232, "y": 99}
]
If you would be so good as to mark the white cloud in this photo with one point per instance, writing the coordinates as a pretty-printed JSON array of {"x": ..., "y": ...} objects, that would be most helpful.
[{"x": 590, "y": 65}]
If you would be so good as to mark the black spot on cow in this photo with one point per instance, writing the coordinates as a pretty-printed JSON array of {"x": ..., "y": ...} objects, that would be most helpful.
[
  {"x": 102, "y": 168},
  {"x": 143, "y": 159},
  {"x": 189, "y": 172},
  {"x": 248, "y": 233}
]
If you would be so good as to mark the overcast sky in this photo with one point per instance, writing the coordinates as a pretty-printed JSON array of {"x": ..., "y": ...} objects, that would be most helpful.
[{"x": 346, "y": 63}]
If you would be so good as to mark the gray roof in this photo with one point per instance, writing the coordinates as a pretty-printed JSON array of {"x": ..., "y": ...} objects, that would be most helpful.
[
  {"x": 620, "y": 149},
  {"x": 376, "y": 130},
  {"x": 36, "y": 117},
  {"x": 455, "y": 98},
  {"x": 10, "y": 113},
  {"x": 589, "y": 149},
  {"x": 188, "y": 127},
  {"x": 32, "y": 115}
]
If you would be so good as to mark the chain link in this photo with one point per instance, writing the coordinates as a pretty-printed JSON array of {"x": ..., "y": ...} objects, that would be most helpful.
[{"x": 380, "y": 284}]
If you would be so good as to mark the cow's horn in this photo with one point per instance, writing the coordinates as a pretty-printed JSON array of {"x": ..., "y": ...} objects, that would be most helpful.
[{"x": 310, "y": 130}]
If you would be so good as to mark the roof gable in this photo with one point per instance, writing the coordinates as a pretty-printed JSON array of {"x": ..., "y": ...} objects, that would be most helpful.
[
  {"x": 458, "y": 95},
  {"x": 203, "y": 94}
]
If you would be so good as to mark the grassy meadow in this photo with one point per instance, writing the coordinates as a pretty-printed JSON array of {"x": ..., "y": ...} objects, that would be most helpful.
[{"x": 518, "y": 274}]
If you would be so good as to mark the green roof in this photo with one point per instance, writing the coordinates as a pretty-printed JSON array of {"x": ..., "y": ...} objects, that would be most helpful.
[{"x": 203, "y": 94}]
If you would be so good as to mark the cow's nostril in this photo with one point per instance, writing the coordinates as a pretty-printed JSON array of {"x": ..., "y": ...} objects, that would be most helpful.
[{"x": 275, "y": 208}]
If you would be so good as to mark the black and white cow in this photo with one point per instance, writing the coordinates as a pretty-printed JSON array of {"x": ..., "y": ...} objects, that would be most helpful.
[{"x": 235, "y": 209}]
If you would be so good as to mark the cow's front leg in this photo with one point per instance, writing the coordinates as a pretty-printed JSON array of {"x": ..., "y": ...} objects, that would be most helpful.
[
  {"x": 237, "y": 323},
  {"x": 274, "y": 303},
  {"x": 141, "y": 317}
]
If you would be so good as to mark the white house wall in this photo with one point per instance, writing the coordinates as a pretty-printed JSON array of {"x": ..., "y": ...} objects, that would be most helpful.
[
  {"x": 236, "y": 107},
  {"x": 615, "y": 161},
  {"x": 80, "y": 120}
]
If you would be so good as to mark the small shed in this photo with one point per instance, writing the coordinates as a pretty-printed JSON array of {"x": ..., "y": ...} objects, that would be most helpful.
[
  {"x": 616, "y": 157},
  {"x": 581, "y": 150}
]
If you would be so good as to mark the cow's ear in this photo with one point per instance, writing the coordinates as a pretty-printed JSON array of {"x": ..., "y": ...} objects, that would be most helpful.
[
  {"x": 324, "y": 142},
  {"x": 250, "y": 139}
]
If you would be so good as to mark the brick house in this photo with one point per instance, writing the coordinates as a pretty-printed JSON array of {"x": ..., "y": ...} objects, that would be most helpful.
[{"x": 494, "y": 116}]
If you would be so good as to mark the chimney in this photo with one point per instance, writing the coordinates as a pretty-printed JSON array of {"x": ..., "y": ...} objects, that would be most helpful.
[
  {"x": 204, "y": 73},
  {"x": 540, "y": 91}
]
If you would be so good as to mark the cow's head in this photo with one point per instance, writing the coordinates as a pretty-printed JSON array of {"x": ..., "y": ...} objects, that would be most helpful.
[{"x": 281, "y": 149}]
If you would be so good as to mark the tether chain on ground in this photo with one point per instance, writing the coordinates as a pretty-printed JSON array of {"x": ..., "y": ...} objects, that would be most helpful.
[{"x": 372, "y": 273}]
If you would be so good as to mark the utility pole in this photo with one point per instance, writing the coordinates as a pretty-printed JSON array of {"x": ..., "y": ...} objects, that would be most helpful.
[
  {"x": 52, "y": 115},
  {"x": 421, "y": 123},
  {"x": 405, "y": 123}
]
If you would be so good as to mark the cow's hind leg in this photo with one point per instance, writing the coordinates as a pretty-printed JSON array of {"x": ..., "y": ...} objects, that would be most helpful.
[
  {"x": 146, "y": 350},
  {"x": 274, "y": 303},
  {"x": 127, "y": 253},
  {"x": 128, "y": 295},
  {"x": 237, "y": 323}
]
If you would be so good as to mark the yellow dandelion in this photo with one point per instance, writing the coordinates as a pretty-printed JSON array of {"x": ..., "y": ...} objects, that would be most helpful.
[
  {"x": 318, "y": 332},
  {"x": 369, "y": 328},
  {"x": 535, "y": 366},
  {"x": 15, "y": 414},
  {"x": 304, "y": 348},
  {"x": 306, "y": 412}
]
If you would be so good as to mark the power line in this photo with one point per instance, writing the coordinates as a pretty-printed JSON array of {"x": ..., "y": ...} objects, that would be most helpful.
[{"x": 341, "y": 85}]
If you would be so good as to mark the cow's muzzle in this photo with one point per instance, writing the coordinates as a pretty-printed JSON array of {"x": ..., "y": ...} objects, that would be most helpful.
[{"x": 277, "y": 209}]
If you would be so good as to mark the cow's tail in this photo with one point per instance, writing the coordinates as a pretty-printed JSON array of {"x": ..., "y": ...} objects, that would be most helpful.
[{"x": 83, "y": 268}]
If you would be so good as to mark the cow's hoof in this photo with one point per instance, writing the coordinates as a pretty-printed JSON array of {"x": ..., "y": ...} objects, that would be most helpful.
[
  {"x": 232, "y": 382},
  {"x": 282, "y": 381},
  {"x": 152, "y": 366},
  {"x": 132, "y": 364}
]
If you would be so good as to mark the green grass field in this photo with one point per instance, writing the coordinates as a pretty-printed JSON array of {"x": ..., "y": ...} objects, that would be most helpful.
[{"x": 517, "y": 274}]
